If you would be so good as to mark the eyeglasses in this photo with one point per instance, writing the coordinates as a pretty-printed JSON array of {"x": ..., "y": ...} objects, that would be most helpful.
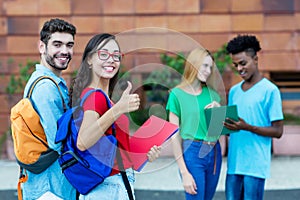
[{"x": 104, "y": 55}]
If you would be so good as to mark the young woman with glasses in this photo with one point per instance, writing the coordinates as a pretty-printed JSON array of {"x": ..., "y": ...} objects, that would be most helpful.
[{"x": 99, "y": 70}]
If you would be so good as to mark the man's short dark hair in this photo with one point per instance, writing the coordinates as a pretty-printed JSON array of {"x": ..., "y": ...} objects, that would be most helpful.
[
  {"x": 247, "y": 43},
  {"x": 56, "y": 25}
]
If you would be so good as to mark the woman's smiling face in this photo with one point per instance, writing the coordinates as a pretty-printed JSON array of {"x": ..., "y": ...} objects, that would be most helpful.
[
  {"x": 104, "y": 62},
  {"x": 205, "y": 69}
]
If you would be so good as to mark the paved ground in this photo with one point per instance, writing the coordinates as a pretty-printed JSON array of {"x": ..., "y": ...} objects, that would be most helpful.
[
  {"x": 163, "y": 175},
  {"x": 178, "y": 195},
  {"x": 292, "y": 194},
  {"x": 160, "y": 180}
]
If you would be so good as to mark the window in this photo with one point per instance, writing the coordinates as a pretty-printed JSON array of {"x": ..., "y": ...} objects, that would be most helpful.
[
  {"x": 289, "y": 85},
  {"x": 278, "y": 6}
]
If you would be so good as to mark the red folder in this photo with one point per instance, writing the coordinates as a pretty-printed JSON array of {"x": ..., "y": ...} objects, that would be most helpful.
[{"x": 155, "y": 131}]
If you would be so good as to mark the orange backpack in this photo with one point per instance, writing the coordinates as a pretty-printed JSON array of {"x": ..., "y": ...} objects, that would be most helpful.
[{"x": 30, "y": 143}]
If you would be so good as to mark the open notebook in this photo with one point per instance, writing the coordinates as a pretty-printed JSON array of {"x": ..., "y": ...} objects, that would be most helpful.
[
  {"x": 155, "y": 131},
  {"x": 215, "y": 118}
]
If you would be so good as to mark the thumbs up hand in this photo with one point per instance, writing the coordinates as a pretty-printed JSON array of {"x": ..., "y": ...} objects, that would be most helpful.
[{"x": 128, "y": 102}]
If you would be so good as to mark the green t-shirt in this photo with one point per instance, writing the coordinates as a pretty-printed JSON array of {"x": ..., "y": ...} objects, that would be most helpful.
[{"x": 190, "y": 111}]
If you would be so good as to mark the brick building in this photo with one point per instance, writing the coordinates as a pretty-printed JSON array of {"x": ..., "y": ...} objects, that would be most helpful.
[{"x": 208, "y": 22}]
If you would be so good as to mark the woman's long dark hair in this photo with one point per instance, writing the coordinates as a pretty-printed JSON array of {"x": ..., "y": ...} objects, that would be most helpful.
[{"x": 84, "y": 75}]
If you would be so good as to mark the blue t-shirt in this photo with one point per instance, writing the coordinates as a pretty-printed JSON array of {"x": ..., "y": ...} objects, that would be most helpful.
[
  {"x": 250, "y": 153},
  {"x": 48, "y": 103}
]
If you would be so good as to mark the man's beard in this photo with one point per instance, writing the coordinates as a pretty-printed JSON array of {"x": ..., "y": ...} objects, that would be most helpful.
[{"x": 50, "y": 60}]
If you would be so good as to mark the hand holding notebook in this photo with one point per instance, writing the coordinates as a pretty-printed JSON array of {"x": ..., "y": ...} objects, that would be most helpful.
[
  {"x": 216, "y": 116},
  {"x": 155, "y": 131}
]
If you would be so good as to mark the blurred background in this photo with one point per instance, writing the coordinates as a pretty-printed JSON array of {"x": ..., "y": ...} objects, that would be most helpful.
[{"x": 154, "y": 34}]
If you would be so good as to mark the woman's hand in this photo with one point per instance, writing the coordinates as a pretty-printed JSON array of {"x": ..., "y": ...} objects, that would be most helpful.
[
  {"x": 154, "y": 153},
  {"x": 128, "y": 102},
  {"x": 212, "y": 105},
  {"x": 189, "y": 183}
]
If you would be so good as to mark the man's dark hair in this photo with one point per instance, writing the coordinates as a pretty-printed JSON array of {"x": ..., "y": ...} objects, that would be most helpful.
[
  {"x": 247, "y": 43},
  {"x": 56, "y": 25}
]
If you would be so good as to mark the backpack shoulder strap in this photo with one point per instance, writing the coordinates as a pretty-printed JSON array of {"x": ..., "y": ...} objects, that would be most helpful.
[
  {"x": 30, "y": 90},
  {"x": 88, "y": 93},
  {"x": 64, "y": 122}
]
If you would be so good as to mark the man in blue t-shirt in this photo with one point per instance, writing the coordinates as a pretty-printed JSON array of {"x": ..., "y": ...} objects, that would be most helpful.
[{"x": 261, "y": 119}]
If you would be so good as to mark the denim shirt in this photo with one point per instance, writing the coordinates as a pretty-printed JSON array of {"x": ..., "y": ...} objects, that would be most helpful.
[{"x": 48, "y": 103}]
